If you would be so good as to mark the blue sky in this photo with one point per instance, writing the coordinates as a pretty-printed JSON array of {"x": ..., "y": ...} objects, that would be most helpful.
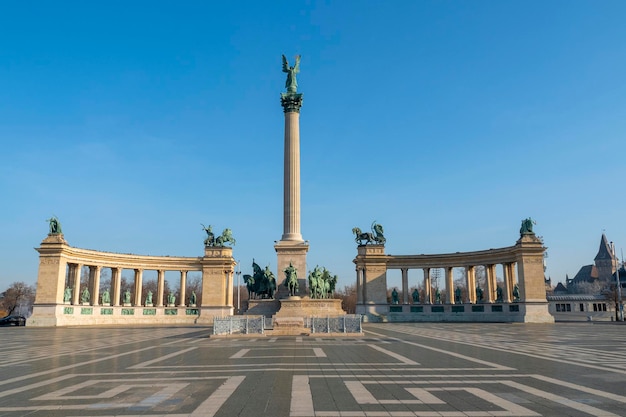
[{"x": 448, "y": 122}]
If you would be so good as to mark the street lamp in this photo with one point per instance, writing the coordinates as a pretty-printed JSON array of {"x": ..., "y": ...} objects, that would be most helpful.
[
  {"x": 619, "y": 289},
  {"x": 238, "y": 287}
]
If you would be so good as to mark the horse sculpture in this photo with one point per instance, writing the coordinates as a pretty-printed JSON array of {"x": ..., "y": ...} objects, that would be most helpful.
[
  {"x": 262, "y": 284},
  {"x": 225, "y": 237},
  {"x": 322, "y": 283},
  {"x": 375, "y": 237},
  {"x": 360, "y": 236},
  {"x": 291, "y": 280}
]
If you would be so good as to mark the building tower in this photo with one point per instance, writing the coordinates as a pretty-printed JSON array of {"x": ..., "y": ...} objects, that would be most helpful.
[
  {"x": 291, "y": 248},
  {"x": 605, "y": 261}
]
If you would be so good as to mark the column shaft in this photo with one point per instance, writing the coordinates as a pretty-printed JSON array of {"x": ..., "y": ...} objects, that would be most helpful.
[
  {"x": 95, "y": 285},
  {"x": 116, "y": 278},
  {"x": 405, "y": 286},
  {"x": 449, "y": 285},
  {"x": 138, "y": 286},
  {"x": 76, "y": 289},
  {"x": 160, "y": 288},
  {"x": 291, "y": 200},
  {"x": 490, "y": 271},
  {"x": 428, "y": 299},
  {"x": 183, "y": 289}
]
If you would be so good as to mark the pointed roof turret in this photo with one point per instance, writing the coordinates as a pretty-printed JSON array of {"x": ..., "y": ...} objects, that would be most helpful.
[{"x": 605, "y": 251}]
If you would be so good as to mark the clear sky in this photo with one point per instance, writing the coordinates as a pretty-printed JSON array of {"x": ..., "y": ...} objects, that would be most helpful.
[{"x": 448, "y": 122}]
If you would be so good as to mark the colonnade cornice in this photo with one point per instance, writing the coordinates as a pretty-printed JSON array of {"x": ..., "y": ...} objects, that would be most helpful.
[
  {"x": 458, "y": 259},
  {"x": 123, "y": 260}
]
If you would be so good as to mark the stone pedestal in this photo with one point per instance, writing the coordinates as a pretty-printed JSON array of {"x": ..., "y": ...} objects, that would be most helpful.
[
  {"x": 217, "y": 283},
  {"x": 290, "y": 319},
  {"x": 294, "y": 253}
]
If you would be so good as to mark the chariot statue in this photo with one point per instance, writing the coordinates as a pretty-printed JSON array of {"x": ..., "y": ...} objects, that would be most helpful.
[
  {"x": 374, "y": 237},
  {"x": 221, "y": 240}
]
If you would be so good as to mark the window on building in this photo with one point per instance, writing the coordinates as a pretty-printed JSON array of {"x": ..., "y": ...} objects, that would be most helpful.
[{"x": 582, "y": 307}]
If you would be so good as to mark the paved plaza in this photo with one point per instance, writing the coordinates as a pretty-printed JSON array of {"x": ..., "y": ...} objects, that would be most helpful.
[{"x": 412, "y": 369}]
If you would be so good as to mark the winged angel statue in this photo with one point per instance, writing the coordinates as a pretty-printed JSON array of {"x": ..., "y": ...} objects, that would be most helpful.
[{"x": 292, "y": 83}]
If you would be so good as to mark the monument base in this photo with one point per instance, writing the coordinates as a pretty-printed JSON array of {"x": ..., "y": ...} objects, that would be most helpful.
[
  {"x": 291, "y": 252},
  {"x": 307, "y": 307},
  {"x": 208, "y": 313}
]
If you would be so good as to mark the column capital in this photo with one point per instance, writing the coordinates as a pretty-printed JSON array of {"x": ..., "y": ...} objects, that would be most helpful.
[{"x": 291, "y": 102}]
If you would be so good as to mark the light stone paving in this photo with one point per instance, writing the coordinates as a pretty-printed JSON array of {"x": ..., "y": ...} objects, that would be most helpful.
[{"x": 394, "y": 370}]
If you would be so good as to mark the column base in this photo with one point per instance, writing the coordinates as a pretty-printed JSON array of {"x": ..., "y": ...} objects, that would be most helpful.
[{"x": 294, "y": 253}]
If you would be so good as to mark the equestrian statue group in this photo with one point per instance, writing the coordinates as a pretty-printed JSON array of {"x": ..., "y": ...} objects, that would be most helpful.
[
  {"x": 375, "y": 237},
  {"x": 262, "y": 284},
  {"x": 221, "y": 240}
]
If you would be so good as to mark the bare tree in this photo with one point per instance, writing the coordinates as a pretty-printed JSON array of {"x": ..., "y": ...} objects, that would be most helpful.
[
  {"x": 18, "y": 298},
  {"x": 348, "y": 298},
  {"x": 194, "y": 284}
]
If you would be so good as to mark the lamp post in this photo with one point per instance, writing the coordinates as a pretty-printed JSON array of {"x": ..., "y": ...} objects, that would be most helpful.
[
  {"x": 238, "y": 287},
  {"x": 620, "y": 307}
]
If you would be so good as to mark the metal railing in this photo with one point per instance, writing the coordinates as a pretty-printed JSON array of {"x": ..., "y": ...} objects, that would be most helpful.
[{"x": 239, "y": 325}]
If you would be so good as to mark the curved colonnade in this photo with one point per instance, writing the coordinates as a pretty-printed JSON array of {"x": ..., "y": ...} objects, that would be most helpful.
[
  {"x": 524, "y": 260},
  {"x": 60, "y": 267}
]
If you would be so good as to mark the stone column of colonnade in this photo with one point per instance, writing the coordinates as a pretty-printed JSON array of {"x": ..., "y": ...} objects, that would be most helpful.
[
  {"x": 470, "y": 279},
  {"x": 450, "y": 285},
  {"x": 405, "y": 285},
  {"x": 76, "y": 268},
  {"x": 507, "y": 271},
  {"x": 160, "y": 288},
  {"x": 94, "y": 283},
  {"x": 116, "y": 282},
  {"x": 138, "y": 287},
  {"x": 490, "y": 271},
  {"x": 183, "y": 289},
  {"x": 428, "y": 297}
]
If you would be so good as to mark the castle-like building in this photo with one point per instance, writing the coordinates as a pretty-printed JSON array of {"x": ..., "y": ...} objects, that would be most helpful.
[{"x": 600, "y": 272}]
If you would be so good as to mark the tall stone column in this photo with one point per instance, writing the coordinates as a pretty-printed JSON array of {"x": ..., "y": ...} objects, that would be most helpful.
[
  {"x": 183, "y": 289},
  {"x": 95, "y": 284},
  {"x": 76, "y": 277},
  {"x": 405, "y": 285},
  {"x": 138, "y": 287},
  {"x": 450, "y": 285},
  {"x": 116, "y": 280},
  {"x": 490, "y": 270},
  {"x": 428, "y": 298},
  {"x": 471, "y": 284},
  {"x": 292, "y": 249},
  {"x": 160, "y": 288}
]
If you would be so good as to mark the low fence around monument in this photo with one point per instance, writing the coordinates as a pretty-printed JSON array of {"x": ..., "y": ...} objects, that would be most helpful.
[
  {"x": 238, "y": 325},
  {"x": 229, "y": 325},
  {"x": 350, "y": 323}
]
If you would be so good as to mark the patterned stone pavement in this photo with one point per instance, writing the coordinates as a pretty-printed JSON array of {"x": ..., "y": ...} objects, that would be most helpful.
[{"x": 408, "y": 369}]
